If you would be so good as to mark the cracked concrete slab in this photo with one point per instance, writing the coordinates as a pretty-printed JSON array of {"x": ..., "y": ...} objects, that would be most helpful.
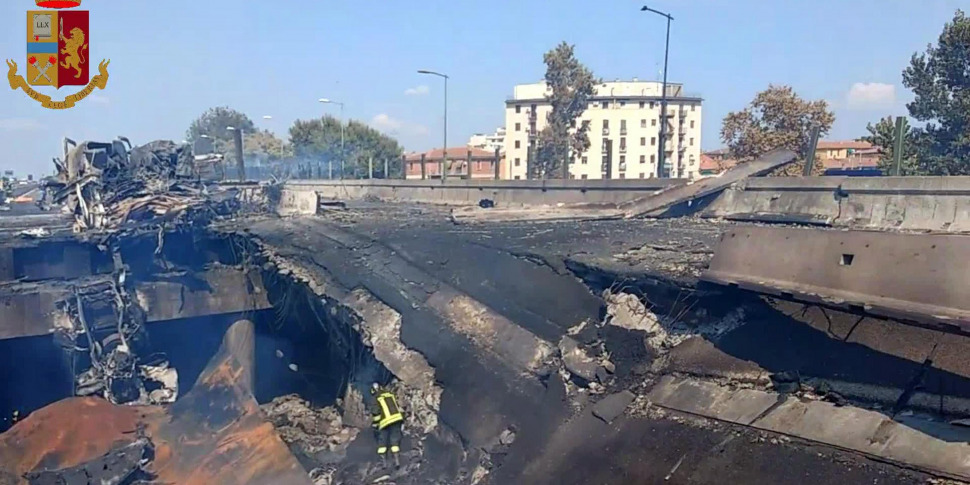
[{"x": 845, "y": 427}]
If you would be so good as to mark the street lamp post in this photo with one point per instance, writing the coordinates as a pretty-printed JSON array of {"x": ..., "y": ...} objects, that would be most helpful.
[
  {"x": 444, "y": 150},
  {"x": 342, "y": 152},
  {"x": 240, "y": 164},
  {"x": 663, "y": 96}
]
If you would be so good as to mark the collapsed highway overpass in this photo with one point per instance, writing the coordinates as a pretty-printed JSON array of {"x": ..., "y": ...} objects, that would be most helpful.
[{"x": 523, "y": 351}]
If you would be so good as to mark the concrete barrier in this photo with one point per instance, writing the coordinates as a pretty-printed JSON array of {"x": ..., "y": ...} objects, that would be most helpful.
[
  {"x": 470, "y": 192},
  {"x": 297, "y": 202},
  {"x": 911, "y": 203}
]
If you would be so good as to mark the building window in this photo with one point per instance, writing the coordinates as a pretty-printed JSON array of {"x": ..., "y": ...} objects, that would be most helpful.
[
  {"x": 692, "y": 107},
  {"x": 691, "y": 142},
  {"x": 518, "y": 108},
  {"x": 691, "y": 123},
  {"x": 583, "y": 176},
  {"x": 651, "y": 105},
  {"x": 643, "y": 141},
  {"x": 517, "y": 144},
  {"x": 653, "y": 141},
  {"x": 653, "y": 158},
  {"x": 518, "y": 127},
  {"x": 622, "y": 175},
  {"x": 643, "y": 123},
  {"x": 622, "y": 103},
  {"x": 642, "y": 104},
  {"x": 622, "y": 125},
  {"x": 517, "y": 162},
  {"x": 641, "y": 174},
  {"x": 643, "y": 159},
  {"x": 606, "y": 123},
  {"x": 516, "y": 177},
  {"x": 584, "y": 161},
  {"x": 653, "y": 122},
  {"x": 533, "y": 108},
  {"x": 622, "y": 162}
]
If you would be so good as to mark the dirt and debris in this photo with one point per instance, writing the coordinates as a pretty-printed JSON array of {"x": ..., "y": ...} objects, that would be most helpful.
[{"x": 312, "y": 431}]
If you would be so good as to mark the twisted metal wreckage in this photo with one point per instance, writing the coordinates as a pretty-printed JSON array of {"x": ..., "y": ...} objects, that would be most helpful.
[
  {"x": 114, "y": 191},
  {"x": 112, "y": 188}
]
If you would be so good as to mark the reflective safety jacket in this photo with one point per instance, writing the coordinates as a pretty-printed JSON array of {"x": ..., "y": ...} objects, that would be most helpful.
[{"x": 386, "y": 412}]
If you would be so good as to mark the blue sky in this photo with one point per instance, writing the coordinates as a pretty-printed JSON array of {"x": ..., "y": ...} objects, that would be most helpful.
[{"x": 170, "y": 60}]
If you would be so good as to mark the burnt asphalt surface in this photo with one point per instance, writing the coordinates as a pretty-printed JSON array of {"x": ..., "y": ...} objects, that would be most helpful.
[{"x": 527, "y": 272}]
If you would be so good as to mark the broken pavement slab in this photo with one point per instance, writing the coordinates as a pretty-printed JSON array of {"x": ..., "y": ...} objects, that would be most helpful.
[
  {"x": 613, "y": 405},
  {"x": 844, "y": 427},
  {"x": 659, "y": 204}
]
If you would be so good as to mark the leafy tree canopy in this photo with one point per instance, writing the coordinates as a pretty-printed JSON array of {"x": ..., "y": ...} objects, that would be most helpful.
[
  {"x": 570, "y": 88},
  {"x": 318, "y": 141}
]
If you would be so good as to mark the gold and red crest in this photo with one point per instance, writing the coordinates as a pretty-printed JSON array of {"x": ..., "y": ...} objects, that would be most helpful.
[{"x": 58, "y": 53}]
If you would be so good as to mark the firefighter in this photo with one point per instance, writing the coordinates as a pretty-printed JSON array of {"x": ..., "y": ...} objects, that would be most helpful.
[{"x": 388, "y": 422}]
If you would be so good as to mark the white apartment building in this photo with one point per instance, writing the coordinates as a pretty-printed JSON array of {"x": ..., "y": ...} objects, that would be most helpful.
[
  {"x": 488, "y": 142},
  {"x": 626, "y": 113}
]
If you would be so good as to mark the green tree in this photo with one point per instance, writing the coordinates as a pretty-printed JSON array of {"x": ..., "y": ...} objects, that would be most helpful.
[
  {"x": 265, "y": 146},
  {"x": 215, "y": 123},
  {"x": 317, "y": 142},
  {"x": 776, "y": 118},
  {"x": 882, "y": 135},
  {"x": 940, "y": 80},
  {"x": 570, "y": 86}
]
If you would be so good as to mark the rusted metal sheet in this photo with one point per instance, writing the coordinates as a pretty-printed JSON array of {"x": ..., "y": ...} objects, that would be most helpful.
[
  {"x": 213, "y": 434},
  {"x": 657, "y": 204},
  {"x": 918, "y": 278}
]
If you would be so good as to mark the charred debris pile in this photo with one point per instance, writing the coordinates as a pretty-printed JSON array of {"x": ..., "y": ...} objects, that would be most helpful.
[{"x": 105, "y": 185}]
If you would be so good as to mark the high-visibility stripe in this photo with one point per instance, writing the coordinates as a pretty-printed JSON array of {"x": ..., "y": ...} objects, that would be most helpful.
[
  {"x": 395, "y": 449},
  {"x": 390, "y": 413},
  {"x": 381, "y": 450}
]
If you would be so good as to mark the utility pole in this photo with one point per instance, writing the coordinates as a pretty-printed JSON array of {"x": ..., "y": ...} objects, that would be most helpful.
[
  {"x": 444, "y": 152},
  {"x": 343, "y": 153},
  {"x": 661, "y": 157}
]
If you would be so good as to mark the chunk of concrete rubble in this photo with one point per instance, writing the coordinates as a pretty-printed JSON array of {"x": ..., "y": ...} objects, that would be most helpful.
[
  {"x": 627, "y": 311},
  {"x": 576, "y": 361},
  {"x": 612, "y": 406}
]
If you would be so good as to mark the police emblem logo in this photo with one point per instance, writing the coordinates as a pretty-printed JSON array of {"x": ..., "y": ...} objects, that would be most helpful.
[{"x": 58, "y": 54}]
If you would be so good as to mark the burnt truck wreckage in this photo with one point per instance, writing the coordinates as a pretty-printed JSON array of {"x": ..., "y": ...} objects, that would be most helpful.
[{"x": 162, "y": 328}]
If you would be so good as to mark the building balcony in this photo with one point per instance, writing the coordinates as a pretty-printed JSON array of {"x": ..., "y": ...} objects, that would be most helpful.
[
  {"x": 606, "y": 132},
  {"x": 622, "y": 131},
  {"x": 622, "y": 149}
]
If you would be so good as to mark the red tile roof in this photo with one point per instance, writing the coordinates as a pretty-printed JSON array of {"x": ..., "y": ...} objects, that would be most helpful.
[
  {"x": 841, "y": 145},
  {"x": 708, "y": 164}
]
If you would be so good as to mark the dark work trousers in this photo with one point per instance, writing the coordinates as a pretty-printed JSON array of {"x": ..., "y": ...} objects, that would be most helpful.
[{"x": 390, "y": 437}]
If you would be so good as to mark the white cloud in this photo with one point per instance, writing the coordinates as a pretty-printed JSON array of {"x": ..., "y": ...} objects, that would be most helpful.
[
  {"x": 20, "y": 124},
  {"x": 386, "y": 123},
  {"x": 871, "y": 95},
  {"x": 417, "y": 90}
]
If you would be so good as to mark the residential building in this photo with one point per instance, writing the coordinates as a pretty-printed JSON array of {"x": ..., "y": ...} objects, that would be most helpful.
[
  {"x": 839, "y": 150},
  {"x": 482, "y": 163},
  {"x": 488, "y": 142},
  {"x": 625, "y": 114},
  {"x": 713, "y": 165}
]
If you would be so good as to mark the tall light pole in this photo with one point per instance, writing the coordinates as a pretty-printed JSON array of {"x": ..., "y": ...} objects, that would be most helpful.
[
  {"x": 237, "y": 136},
  {"x": 444, "y": 151},
  {"x": 268, "y": 118},
  {"x": 663, "y": 96},
  {"x": 342, "y": 152}
]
